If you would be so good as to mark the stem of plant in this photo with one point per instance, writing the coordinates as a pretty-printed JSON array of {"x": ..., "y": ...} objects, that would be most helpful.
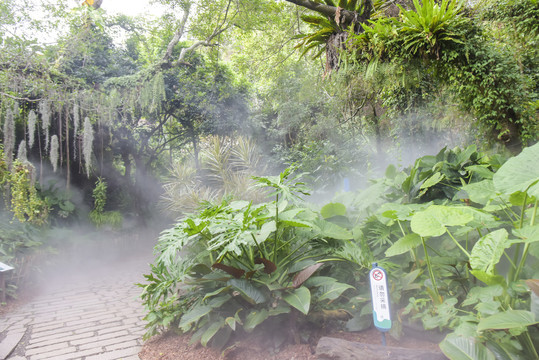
[
  {"x": 429, "y": 267},
  {"x": 276, "y": 228},
  {"x": 516, "y": 255},
  {"x": 263, "y": 253},
  {"x": 459, "y": 246},
  {"x": 526, "y": 247}
]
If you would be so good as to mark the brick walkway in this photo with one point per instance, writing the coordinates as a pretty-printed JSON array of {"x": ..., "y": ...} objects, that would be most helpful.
[{"x": 90, "y": 314}]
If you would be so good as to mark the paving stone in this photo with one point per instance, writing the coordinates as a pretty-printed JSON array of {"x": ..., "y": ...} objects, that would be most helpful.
[
  {"x": 46, "y": 349},
  {"x": 9, "y": 343},
  {"x": 99, "y": 338},
  {"x": 53, "y": 354},
  {"x": 93, "y": 318},
  {"x": 111, "y": 341},
  {"x": 33, "y": 343},
  {"x": 115, "y": 355}
]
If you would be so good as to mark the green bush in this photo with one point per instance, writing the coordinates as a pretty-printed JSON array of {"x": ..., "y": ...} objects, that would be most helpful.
[{"x": 236, "y": 265}]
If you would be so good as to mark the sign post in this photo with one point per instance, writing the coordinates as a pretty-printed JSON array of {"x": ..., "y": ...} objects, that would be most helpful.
[
  {"x": 380, "y": 300},
  {"x": 4, "y": 270}
]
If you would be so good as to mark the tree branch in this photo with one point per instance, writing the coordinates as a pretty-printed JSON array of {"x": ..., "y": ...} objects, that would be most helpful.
[
  {"x": 327, "y": 10},
  {"x": 177, "y": 36}
]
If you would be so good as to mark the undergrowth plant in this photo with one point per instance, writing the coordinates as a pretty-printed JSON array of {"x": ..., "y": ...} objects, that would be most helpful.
[
  {"x": 461, "y": 233},
  {"x": 98, "y": 215},
  {"x": 236, "y": 265}
]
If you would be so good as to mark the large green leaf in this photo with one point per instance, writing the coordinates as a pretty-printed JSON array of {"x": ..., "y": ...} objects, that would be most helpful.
[
  {"x": 465, "y": 348},
  {"x": 193, "y": 315},
  {"x": 289, "y": 217},
  {"x": 333, "y": 209},
  {"x": 331, "y": 230},
  {"x": 331, "y": 291},
  {"x": 402, "y": 212},
  {"x": 300, "y": 298},
  {"x": 488, "y": 250},
  {"x": 528, "y": 234},
  {"x": 489, "y": 279},
  {"x": 250, "y": 292},
  {"x": 520, "y": 173},
  {"x": 433, "y": 221},
  {"x": 211, "y": 331},
  {"x": 505, "y": 350},
  {"x": 262, "y": 234},
  {"x": 507, "y": 320},
  {"x": 255, "y": 318},
  {"x": 404, "y": 244},
  {"x": 480, "y": 192}
]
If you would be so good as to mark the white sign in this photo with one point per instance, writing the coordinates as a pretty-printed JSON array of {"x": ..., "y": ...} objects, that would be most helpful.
[{"x": 380, "y": 298}]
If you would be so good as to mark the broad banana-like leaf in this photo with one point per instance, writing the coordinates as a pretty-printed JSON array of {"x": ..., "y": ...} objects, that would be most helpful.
[
  {"x": 237, "y": 273},
  {"x": 434, "y": 220},
  {"x": 432, "y": 180},
  {"x": 507, "y": 320},
  {"x": 519, "y": 173},
  {"x": 255, "y": 318},
  {"x": 465, "y": 348},
  {"x": 504, "y": 350},
  {"x": 488, "y": 251},
  {"x": 300, "y": 298},
  {"x": 193, "y": 315},
  {"x": 269, "y": 266},
  {"x": 333, "y": 290},
  {"x": 304, "y": 274},
  {"x": 404, "y": 244},
  {"x": 211, "y": 331},
  {"x": 248, "y": 290}
]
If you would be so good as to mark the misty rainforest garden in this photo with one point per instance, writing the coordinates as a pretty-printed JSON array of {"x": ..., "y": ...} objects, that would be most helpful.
[{"x": 280, "y": 148}]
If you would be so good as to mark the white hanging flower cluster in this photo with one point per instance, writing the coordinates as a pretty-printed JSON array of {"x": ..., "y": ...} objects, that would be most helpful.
[
  {"x": 87, "y": 143},
  {"x": 54, "y": 152}
]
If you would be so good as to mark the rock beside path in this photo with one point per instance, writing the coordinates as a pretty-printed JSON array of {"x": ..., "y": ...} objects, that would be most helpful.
[{"x": 338, "y": 349}]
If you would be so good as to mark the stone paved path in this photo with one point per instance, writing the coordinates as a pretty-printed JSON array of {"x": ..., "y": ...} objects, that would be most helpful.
[{"x": 90, "y": 313}]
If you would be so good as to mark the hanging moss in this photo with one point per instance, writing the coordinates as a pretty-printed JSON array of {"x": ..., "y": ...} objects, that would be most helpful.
[
  {"x": 54, "y": 152},
  {"x": 45, "y": 110},
  {"x": 87, "y": 143},
  {"x": 76, "y": 122},
  {"x": 153, "y": 93},
  {"x": 32, "y": 119},
  {"x": 21, "y": 152},
  {"x": 9, "y": 137}
]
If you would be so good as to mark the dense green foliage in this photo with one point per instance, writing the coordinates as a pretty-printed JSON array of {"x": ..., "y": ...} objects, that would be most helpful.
[
  {"x": 441, "y": 227},
  {"x": 121, "y": 112}
]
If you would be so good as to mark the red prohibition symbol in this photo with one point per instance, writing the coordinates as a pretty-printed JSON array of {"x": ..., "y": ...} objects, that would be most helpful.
[{"x": 377, "y": 275}]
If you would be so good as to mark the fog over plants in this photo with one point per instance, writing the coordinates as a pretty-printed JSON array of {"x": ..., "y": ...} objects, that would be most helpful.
[{"x": 280, "y": 147}]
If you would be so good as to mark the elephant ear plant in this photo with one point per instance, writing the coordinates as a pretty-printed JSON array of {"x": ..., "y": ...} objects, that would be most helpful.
[{"x": 236, "y": 265}]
